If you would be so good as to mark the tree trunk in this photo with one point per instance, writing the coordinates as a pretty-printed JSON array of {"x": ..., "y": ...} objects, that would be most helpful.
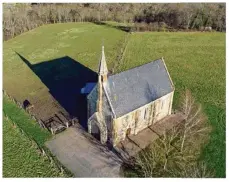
[
  {"x": 165, "y": 164},
  {"x": 182, "y": 143}
]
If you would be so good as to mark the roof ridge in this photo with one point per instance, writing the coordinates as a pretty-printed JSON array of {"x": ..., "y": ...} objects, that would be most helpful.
[
  {"x": 136, "y": 67},
  {"x": 168, "y": 73},
  {"x": 109, "y": 101}
]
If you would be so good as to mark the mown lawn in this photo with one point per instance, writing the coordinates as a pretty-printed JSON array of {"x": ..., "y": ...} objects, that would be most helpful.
[
  {"x": 196, "y": 61},
  {"x": 21, "y": 159},
  {"x": 80, "y": 41}
]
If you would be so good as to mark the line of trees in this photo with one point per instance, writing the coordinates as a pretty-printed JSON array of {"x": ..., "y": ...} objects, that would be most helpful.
[{"x": 21, "y": 17}]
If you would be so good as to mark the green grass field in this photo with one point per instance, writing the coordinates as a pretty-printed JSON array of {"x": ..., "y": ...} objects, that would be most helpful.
[
  {"x": 22, "y": 119},
  {"x": 81, "y": 42},
  {"x": 195, "y": 60},
  {"x": 21, "y": 158}
]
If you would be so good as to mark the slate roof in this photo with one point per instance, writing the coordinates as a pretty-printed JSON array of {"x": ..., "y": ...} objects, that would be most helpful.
[{"x": 137, "y": 87}]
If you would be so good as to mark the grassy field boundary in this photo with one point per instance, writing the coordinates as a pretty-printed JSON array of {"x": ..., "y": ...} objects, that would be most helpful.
[
  {"x": 122, "y": 53},
  {"x": 33, "y": 117},
  {"x": 42, "y": 150}
]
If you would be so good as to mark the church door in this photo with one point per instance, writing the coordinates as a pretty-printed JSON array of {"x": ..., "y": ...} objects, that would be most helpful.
[{"x": 95, "y": 131}]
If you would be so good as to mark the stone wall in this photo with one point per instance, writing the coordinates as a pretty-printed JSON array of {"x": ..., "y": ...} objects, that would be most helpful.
[
  {"x": 92, "y": 101},
  {"x": 97, "y": 127},
  {"x": 107, "y": 115},
  {"x": 141, "y": 118},
  {"x": 102, "y": 124}
]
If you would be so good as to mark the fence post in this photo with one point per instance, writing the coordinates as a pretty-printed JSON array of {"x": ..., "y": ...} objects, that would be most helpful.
[{"x": 52, "y": 131}]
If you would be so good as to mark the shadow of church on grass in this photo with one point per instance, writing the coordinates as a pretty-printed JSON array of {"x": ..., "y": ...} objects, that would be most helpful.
[{"x": 64, "y": 77}]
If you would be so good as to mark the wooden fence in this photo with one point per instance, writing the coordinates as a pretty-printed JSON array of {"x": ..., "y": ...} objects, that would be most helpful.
[
  {"x": 42, "y": 150},
  {"x": 33, "y": 117}
]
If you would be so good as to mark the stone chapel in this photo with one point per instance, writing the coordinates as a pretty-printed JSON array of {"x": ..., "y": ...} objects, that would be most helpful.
[{"x": 125, "y": 103}]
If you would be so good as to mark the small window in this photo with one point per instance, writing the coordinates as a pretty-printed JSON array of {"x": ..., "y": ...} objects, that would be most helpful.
[
  {"x": 141, "y": 114},
  {"x": 153, "y": 110},
  {"x": 145, "y": 114},
  {"x": 162, "y": 104}
]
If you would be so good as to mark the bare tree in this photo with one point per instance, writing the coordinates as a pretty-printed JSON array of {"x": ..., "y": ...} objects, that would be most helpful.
[
  {"x": 18, "y": 18},
  {"x": 147, "y": 162},
  {"x": 195, "y": 122},
  {"x": 195, "y": 170},
  {"x": 165, "y": 143},
  {"x": 176, "y": 152},
  {"x": 161, "y": 157}
]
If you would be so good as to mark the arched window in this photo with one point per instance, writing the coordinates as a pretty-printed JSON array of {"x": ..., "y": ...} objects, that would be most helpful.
[
  {"x": 145, "y": 115},
  {"x": 162, "y": 103}
]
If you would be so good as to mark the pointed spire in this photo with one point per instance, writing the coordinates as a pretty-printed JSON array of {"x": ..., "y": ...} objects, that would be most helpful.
[{"x": 103, "y": 65}]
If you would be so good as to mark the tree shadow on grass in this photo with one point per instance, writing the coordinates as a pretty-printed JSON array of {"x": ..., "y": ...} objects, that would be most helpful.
[{"x": 64, "y": 77}]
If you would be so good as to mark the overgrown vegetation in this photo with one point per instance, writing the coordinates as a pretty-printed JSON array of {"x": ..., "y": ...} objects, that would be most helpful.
[
  {"x": 176, "y": 153},
  {"x": 18, "y": 17}
]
